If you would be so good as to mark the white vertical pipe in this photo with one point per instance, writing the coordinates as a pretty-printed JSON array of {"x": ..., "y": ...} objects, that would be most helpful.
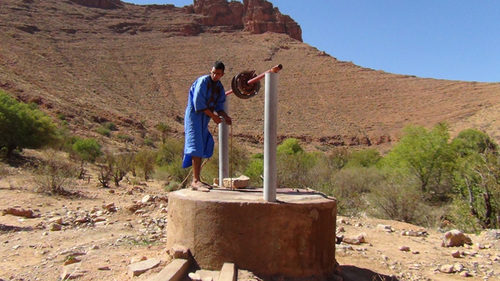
[
  {"x": 270, "y": 136},
  {"x": 224, "y": 147}
]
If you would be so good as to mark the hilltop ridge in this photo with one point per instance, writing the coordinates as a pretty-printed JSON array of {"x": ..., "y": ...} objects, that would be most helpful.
[{"x": 91, "y": 62}]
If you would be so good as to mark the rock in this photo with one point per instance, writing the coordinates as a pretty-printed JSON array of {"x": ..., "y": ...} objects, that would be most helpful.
[
  {"x": 104, "y": 268},
  {"x": 55, "y": 227},
  {"x": 138, "y": 259},
  {"x": 139, "y": 268},
  {"x": 19, "y": 212},
  {"x": 71, "y": 260},
  {"x": 361, "y": 237},
  {"x": 458, "y": 267},
  {"x": 194, "y": 276},
  {"x": 71, "y": 271},
  {"x": 254, "y": 16},
  {"x": 261, "y": 16},
  {"x": 383, "y": 227},
  {"x": 465, "y": 274},
  {"x": 352, "y": 241},
  {"x": 456, "y": 254},
  {"x": 58, "y": 220},
  {"x": 404, "y": 248},
  {"x": 240, "y": 182},
  {"x": 455, "y": 238},
  {"x": 180, "y": 252},
  {"x": 146, "y": 199},
  {"x": 447, "y": 268},
  {"x": 110, "y": 207}
]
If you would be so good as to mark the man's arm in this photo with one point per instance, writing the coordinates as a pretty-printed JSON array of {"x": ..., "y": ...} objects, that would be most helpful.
[{"x": 214, "y": 117}]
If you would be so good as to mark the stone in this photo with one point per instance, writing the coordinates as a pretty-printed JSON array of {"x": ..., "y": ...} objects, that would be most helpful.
[
  {"x": 194, "y": 276},
  {"x": 447, "y": 268},
  {"x": 109, "y": 207},
  {"x": 180, "y": 252},
  {"x": 455, "y": 238},
  {"x": 458, "y": 267},
  {"x": 174, "y": 271},
  {"x": 404, "y": 248},
  {"x": 228, "y": 272},
  {"x": 352, "y": 241},
  {"x": 383, "y": 227},
  {"x": 139, "y": 268},
  {"x": 146, "y": 199},
  {"x": 55, "y": 227},
  {"x": 138, "y": 259},
  {"x": 19, "y": 212},
  {"x": 240, "y": 182},
  {"x": 71, "y": 260},
  {"x": 71, "y": 271},
  {"x": 456, "y": 254},
  {"x": 361, "y": 237}
]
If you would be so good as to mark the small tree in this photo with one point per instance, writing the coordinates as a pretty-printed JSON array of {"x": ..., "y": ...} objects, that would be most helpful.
[
  {"x": 163, "y": 129},
  {"x": 86, "y": 150},
  {"x": 477, "y": 178},
  {"x": 426, "y": 155},
  {"x": 145, "y": 160},
  {"x": 23, "y": 126}
]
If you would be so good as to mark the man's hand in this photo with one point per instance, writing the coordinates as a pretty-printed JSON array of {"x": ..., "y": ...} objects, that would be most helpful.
[
  {"x": 217, "y": 119},
  {"x": 226, "y": 117}
]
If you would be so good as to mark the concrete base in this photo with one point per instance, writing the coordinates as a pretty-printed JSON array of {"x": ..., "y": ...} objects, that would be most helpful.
[{"x": 293, "y": 237}]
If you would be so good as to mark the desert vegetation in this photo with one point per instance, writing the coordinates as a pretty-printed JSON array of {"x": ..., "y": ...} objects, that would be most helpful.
[{"x": 427, "y": 178}]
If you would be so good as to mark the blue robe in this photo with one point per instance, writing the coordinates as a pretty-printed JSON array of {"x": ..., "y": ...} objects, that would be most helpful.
[{"x": 203, "y": 94}]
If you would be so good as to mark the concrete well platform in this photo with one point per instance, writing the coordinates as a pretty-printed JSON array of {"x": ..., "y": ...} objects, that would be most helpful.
[{"x": 293, "y": 237}]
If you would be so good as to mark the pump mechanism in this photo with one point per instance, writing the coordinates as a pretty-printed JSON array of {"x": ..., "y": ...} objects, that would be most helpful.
[
  {"x": 240, "y": 85},
  {"x": 246, "y": 84}
]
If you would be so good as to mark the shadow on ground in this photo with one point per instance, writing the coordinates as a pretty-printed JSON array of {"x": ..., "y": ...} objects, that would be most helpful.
[{"x": 352, "y": 273}]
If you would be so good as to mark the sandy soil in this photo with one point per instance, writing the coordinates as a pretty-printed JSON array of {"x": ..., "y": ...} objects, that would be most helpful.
[{"x": 104, "y": 230}]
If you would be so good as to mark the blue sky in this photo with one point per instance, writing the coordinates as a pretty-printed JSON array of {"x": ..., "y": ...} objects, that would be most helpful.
[{"x": 443, "y": 39}]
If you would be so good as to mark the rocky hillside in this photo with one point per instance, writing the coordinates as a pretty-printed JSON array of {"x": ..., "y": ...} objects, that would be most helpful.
[{"x": 95, "y": 61}]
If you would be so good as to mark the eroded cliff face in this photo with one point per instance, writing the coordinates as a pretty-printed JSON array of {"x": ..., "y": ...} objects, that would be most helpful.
[
  {"x": 253, "y": 16},
  {"x": 260, "y": 16}
]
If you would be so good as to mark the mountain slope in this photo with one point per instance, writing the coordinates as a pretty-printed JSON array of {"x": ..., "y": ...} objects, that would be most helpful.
[{"x": 133, "y": 65}]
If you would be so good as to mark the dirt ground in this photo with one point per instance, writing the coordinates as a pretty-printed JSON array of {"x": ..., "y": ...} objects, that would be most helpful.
[{"x": 106, "y": 229}]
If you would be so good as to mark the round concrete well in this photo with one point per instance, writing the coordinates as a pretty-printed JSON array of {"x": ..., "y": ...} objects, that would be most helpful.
[{"x": 293, "y": 237}]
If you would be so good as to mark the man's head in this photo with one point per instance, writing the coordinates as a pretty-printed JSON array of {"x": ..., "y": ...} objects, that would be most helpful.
[{"x": 217, "y": 71}]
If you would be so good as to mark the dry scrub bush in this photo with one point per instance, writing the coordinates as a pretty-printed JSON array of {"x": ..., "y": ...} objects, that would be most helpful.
[
  {"x": 350, "y": 187},
  {"x": 55, "y": 173}
]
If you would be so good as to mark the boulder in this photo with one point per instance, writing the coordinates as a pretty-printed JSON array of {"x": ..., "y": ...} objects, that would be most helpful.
[{"x": 455, "y": 238}]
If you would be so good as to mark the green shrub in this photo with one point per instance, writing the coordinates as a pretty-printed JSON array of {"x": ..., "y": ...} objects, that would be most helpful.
[
  {"x": 290, "y": 146},
  {"x": 104, "y": 131},
  {"x": 363, "y": 158},
  {"x": 145, "y": 160},
  {"x": 126, "y": 138},
  {"x": 86, "y": 150},
  {"x": 255, "y": 169},
  {"x": 23, "y": 126}
]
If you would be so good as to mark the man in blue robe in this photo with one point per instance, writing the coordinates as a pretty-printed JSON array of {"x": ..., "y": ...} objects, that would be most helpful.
[{"x": 205, "y": 103}]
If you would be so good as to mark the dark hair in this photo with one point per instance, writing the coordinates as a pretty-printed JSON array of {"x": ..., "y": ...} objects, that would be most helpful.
[{"x": 219, "y": 65}]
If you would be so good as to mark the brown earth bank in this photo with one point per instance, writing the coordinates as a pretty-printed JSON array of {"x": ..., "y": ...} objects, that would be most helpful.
[
  {"x": 90, "y": 62},
  {"x": 99, "y": 233}
]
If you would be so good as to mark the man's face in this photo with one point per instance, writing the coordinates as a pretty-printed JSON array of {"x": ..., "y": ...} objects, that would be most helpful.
[{"x": 216, "y": 74}]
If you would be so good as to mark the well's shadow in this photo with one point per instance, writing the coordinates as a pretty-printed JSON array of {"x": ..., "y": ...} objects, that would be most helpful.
[{"x": 352, "y": 273}]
